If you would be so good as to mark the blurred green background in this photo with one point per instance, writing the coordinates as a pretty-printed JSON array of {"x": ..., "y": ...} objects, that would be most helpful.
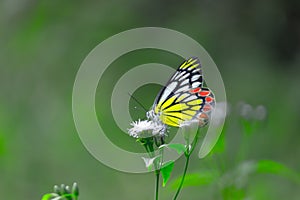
[{"x": 255, "y": 44}]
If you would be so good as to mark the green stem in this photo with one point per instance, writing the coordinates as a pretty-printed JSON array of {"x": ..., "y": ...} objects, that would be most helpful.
[
  {"x": 150, "y": 150},
  {"x": 157, "y": 165},
  {"x": 183, "y": 176},
  {"x": 157, "y": 172},
  {"x": 187, "y": 155}
]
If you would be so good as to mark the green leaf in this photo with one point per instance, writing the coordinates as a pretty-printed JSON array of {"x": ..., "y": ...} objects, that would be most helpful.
[
  {"x": 150, "y": 161},
  {"x": 180, "y": 148},
  {"x": 50, "y": 196},
  {"x": 233, "y": 193},
  {"x": 196, "y": 179},
  {"x": 269, "y": 166},
  {"x": 166, "y": 171}
]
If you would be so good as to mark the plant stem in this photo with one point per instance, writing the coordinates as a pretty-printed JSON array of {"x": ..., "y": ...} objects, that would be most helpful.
[
  {"x": 157, "y": 165},
  {"x": 157, "y": 172},
  {"x": 150, "y": 150},
  {"x": 187, "y": 154},
  {"x": 183, "y": 176}
]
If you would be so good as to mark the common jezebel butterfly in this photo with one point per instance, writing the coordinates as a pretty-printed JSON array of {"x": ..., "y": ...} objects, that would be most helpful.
[{"x": 184, "y": 97}]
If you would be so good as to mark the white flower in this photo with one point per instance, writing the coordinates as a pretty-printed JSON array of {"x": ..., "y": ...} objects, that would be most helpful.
[
  {"x": 260, "y": 112},
  {"x": 146, "y": 128},
  {"x": 246, "y": 111},
  {"x": 249, "y": 112}
]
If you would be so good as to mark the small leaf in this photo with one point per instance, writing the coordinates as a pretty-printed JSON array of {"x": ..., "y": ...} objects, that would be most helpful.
[
  {"x": 50, "y": 196},
  {"x": 166, "y": 170},
  {"x": 269, "y": 166},
  {"x": 233, "y": 193},
  {"x": 149, "y": 161},
  {"x": 196, "y": 179},
  {"x": 180, "y": 148}
]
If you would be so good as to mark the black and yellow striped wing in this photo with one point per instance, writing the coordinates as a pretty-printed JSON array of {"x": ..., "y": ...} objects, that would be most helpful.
[{"x": 183, "y": 98}]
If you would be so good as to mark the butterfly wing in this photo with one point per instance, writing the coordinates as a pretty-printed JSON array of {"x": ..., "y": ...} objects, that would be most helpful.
[{"x": 183, "y": 98}]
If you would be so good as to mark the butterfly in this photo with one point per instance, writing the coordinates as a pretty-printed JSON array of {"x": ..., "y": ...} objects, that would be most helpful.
[{"x": 184, "y": 97}]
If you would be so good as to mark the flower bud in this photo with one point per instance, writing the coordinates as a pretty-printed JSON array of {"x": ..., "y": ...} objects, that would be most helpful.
[
  {"x": 57, "y": 190},
  {"x": 75, "y": 189},
  {"x": 67, "y": 190}
]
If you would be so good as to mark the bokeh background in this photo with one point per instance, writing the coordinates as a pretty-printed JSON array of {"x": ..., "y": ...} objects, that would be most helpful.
[{"x": 255, "y": 44}]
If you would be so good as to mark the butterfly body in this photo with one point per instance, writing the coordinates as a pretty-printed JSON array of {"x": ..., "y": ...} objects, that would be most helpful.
[{"x": 183, "y": 98}]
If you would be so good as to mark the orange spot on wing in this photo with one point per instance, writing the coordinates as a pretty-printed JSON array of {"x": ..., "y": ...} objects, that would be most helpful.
[
  {"x": 203, "y": 116},
  {"x": 203, "y": 119},
  {"x": 195, "y": 90},
  {"x": 206, "y": 108},
  {"x": 209, "y": 99},
  {"x": 204, "y": 93}
]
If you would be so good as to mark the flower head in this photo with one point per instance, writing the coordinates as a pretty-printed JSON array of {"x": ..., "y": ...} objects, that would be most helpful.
[
  {"x": 260, "y": 112},
  {"x": 249, "y": 112},
  {"x": 146, "y": 128}
]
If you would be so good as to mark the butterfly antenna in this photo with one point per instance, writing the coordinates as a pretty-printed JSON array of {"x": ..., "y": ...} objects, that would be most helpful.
[{"x": 138, "y": 102}]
